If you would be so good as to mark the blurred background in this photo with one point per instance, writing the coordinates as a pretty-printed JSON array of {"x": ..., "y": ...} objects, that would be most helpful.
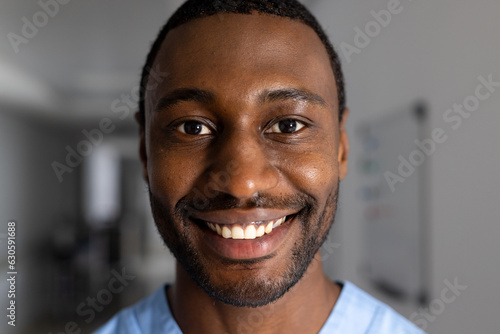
[{"x": 418, "y": 223}]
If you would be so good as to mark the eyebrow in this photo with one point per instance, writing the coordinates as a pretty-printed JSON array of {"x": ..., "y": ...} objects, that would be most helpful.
[
  {"x": 207, "y": 97},
  {"x": 184, "y": 95},
  {"x": 291, "y": 94}
]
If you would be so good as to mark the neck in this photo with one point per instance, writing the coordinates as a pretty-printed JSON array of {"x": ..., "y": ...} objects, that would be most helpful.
[{"x": 303, "y": 309}]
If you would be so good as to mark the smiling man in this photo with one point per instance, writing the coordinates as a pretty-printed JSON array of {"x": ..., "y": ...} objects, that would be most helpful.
[{"x": 243, "y": 145}]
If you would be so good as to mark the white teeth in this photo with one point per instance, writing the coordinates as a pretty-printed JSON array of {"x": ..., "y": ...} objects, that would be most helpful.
[
  {"x": 260, "y": 231},
  {"x": 269, "y": 227},
  {"x": 226, "y": 232},
  {"x": 279, "y": 222},
  {"x": 237, "y": 232},
  {"x": 248, "y": 231}
]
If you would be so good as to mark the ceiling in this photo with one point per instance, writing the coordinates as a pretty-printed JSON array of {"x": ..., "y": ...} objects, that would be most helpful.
[{"x": 83, "y": 56}]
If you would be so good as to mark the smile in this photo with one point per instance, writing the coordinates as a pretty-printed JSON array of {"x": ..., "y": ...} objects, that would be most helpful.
[
  {"x": 248, "y": 231},
  {"x": 245, "y": 234}
]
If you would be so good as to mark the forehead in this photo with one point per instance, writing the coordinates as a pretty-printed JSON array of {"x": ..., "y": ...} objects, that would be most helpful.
[{"x": 237, "y": 56}]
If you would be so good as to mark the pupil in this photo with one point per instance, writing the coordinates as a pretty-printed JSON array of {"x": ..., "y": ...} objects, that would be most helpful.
[
  {"x": 193, "y": 128},
  {"x": 288, "y": 126}
]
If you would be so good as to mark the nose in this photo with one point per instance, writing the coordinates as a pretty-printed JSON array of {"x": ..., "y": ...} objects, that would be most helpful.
[{"x": 245, "y": 166}]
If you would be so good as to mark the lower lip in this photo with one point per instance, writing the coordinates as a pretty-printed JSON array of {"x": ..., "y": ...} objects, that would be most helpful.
[{"x": 247, "y": 249}]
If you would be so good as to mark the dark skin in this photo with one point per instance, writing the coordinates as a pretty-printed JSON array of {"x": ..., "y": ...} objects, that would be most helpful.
[{"x": 239, "y": 60}]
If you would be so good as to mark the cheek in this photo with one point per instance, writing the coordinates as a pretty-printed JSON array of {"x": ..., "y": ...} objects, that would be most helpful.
[
  {"x": 314, "y": 172},
  {"x": 172, "y": 171},
  {"x": 171, "y": 176}
]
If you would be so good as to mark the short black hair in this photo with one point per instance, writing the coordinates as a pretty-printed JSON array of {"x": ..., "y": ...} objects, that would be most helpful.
[{"x": 195, "y": 9}]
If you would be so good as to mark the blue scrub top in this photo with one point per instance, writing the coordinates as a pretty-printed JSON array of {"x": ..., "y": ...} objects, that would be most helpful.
[{"x": 355, "y": 312}]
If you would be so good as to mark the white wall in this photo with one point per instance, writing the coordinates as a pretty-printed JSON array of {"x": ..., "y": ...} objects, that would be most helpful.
[{"x": 433, "y": 50}]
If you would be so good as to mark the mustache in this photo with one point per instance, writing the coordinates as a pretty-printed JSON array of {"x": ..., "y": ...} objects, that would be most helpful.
[{"x": 196, "y": 202}]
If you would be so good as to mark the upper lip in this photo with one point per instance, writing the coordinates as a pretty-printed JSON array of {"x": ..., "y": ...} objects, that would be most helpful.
[{"x": 238, "y": 216}]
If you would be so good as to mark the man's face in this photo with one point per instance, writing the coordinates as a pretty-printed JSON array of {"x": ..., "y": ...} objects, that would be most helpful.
[{"x": 244, "y": 134}]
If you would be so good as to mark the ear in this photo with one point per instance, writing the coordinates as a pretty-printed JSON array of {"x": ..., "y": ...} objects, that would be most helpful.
[
  {"x": 343, "y": 145},
  {"x": 142, "y": 145}
]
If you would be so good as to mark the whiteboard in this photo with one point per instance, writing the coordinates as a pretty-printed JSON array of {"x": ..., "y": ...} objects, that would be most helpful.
[{"x": 393, "y": 212}]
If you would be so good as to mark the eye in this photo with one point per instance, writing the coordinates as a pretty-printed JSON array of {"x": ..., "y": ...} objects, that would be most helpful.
[
  {"x": 286, "y": 126},
  {"x": 194, "y": 128}
]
